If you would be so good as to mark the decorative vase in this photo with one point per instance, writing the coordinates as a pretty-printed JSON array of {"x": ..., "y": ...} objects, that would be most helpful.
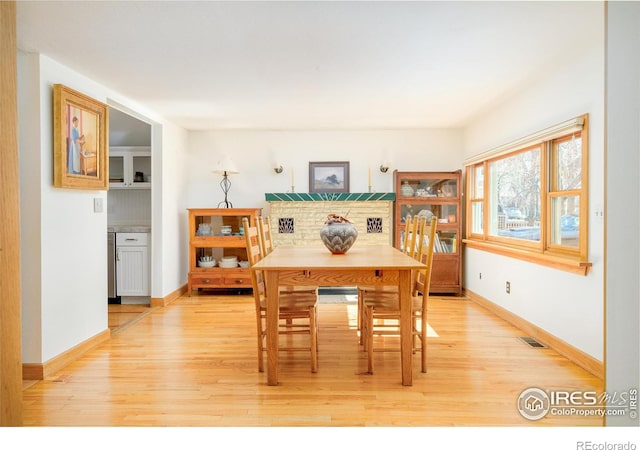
[
  {"x": 338, "y": 237},
  {"x": 406, "y": 190}
]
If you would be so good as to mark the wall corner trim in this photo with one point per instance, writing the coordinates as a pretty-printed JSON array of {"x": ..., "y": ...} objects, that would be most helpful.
[
  {"x": 40, "y": 371},
  {"x": 168, "y": 299}
]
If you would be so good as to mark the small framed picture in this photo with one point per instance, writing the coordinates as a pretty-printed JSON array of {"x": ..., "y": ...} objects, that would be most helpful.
[
  {"x": 329, "y": 176},
  {"x": 80, "y": 159}
]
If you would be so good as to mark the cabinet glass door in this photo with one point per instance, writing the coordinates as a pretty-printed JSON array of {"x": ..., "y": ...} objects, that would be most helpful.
[
  {"x": 447, "y": 213},
  {"x": 116, "y": 171},
  {"x": 429, "y": 187},
  {"x": 446, "y": 242},
  {"x": 141, "y": 170},
  {"x": 219, "y": 225}
]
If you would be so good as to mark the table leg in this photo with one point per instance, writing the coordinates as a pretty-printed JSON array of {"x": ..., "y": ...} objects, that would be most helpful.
[
  {"x": 406, "y": 337},
  {"x": 273, "y": 312}
]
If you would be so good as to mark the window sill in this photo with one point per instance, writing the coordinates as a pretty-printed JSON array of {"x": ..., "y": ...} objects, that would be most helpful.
[{"x": 556, "y": 262}]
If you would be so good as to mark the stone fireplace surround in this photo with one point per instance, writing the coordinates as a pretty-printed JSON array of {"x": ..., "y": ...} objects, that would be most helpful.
[{"x": 296, "y": 218}]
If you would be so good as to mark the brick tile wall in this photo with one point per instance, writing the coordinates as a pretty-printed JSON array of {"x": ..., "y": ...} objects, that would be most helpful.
[{"x": 308, "y": 218}]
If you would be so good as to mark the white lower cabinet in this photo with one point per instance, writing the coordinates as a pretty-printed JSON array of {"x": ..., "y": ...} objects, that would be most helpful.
[{"x": 132, "y": 264}]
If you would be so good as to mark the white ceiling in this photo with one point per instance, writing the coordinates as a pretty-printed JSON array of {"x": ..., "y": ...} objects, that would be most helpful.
[{"x": 311, "y": 65}]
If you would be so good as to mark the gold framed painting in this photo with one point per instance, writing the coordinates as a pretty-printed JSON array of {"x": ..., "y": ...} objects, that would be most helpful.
[{"x": 80, "y": 136}]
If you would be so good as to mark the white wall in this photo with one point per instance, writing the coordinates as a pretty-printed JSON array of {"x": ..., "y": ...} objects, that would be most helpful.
[
  {"x": 129, "y": 207},
  {"x": 623, "y": 202},
  {"x": 566, "y": 305},
  {"x": 256, "y": 152},
  {"x": 170, "y": 211},
  {"x": 63, "y": 276},
  {"x": 63, "y": 240}
]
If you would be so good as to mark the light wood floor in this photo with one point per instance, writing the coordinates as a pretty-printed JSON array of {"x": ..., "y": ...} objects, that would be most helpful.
[
  {"x": 121, "y": 316},
  {"x": 193, "y": 363}
]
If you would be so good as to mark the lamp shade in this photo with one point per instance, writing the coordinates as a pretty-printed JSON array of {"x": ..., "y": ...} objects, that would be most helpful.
[{"x": 226, "y": 166}]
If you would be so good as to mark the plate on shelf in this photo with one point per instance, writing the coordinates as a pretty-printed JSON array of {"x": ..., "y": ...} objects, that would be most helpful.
[
  {"x": 229, "y": 259},
  {"x": 228, "y": 265},
  {"x": 425, "y": 213}
]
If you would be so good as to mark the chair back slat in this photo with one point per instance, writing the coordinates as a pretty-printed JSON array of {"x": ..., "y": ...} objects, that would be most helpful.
[
  {"x": 264, "y": 230},
  {"x": 422, "y": 281},
  {"x": 252, "y": 242},
  {"x": 408, "y": 241},
  {"x": 420, "y": 224}
]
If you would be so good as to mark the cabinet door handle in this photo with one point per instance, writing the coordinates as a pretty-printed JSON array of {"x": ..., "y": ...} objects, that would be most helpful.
[
  {"x": 206, "y": 281},
  {"x": 131, "y": 239},
  {"x": 239, "y": 281},
  {"x": 118, "y": 255}
]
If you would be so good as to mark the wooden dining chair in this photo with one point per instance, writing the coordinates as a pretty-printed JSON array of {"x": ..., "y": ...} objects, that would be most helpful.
[
  {"x": 385, "y": 306},
  {"x": 266, "y": 247},
  {"x": 412, "y": 228},
  {"x": 301, "y": 306}
]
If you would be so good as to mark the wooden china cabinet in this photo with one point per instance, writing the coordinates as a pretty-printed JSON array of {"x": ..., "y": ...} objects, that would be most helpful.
[
  {"x": 215, "y": 233},
  {"x": 440, "y": 194}
]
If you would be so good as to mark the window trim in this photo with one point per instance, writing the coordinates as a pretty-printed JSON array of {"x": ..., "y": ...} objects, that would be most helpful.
[
  {"x": 576, "y": 124},
  {"x": 542, "y": 252},
  {"x": 567, "y": 264}
]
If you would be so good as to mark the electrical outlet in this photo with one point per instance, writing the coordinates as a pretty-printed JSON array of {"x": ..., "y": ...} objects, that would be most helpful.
[
  {"x": 508, "y": 288},
  {"x": 599, "y": 213}
]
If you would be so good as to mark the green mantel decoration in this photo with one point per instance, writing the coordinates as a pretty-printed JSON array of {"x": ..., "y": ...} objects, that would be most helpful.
[{"x": 330, "y": 197}]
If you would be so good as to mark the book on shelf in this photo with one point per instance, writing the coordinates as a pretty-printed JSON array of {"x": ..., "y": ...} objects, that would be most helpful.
[
  {"x": 445, "y": 245},
  {"x": 438, "y": 245}
]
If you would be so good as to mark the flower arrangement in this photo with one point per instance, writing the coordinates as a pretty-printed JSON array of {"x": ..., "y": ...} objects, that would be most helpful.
[{"x": 335, "y": 218}]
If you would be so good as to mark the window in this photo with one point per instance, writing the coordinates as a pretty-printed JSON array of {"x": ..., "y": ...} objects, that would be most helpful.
[
  {"x": 529, "y": 199},
  {"x": 514, "y": 196},
  {"x": 565, "y": 192}
]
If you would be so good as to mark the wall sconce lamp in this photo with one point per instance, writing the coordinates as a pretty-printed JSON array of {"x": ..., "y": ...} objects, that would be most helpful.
[
  {"x": 278, "y": 168},
  {"x": 384, "y": 167}
]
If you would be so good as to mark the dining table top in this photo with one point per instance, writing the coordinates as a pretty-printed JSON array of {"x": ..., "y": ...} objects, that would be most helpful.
[{"x": 319, "y": 257}]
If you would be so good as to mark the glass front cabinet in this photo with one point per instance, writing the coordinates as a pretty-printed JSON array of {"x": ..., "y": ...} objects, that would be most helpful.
[
  {"x": 440, "y": 194},
  {"x": 217, "y": 248},
  {"x": 130, "y": 168}
]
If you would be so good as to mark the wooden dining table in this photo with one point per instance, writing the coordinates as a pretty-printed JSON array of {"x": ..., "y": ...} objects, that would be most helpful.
[{"x": 365, "y": 265}]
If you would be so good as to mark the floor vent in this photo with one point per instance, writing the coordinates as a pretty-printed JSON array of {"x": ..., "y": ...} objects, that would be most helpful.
[{"x": 531, "y": 342}]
